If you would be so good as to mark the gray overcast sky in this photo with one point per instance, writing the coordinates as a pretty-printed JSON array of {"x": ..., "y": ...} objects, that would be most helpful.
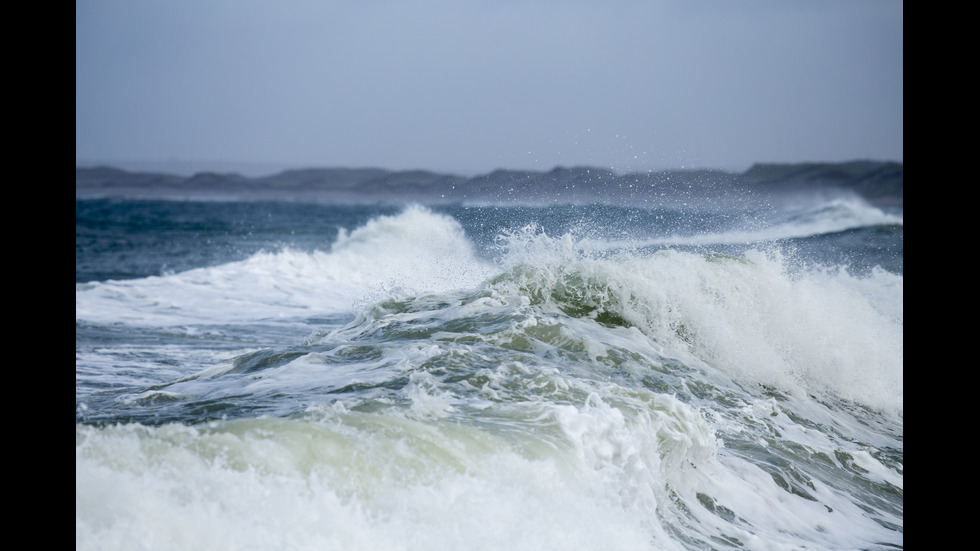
[{"x": 469, "y": 86}]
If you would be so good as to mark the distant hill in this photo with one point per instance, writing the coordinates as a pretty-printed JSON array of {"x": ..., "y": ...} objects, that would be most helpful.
[{"x": 878, "y": 182}]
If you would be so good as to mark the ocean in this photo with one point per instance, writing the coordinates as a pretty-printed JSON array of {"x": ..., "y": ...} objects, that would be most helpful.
[{"x": 670, "y": 374}]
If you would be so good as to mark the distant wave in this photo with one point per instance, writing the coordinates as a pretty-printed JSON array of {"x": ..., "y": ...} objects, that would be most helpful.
[{"x": 809, "y": 220}]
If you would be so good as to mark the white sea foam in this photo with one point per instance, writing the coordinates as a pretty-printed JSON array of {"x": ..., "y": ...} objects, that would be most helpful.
[
  {"x": 288, "y": 485},
  {"x": 612, "y": 477},
  {"x": 823, "y": 330},
  {"x": 500, "y": 406},
  {"x": 806, "y": 219},
  {"x": 820, "y": 331},
  {"x": 414, "y": 252}
]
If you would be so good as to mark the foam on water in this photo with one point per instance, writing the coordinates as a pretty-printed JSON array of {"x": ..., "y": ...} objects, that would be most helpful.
[
  {"x": 369, "y": 483},
  {"x": 562, "y": 396},
  {"x": 763, "y": 225},
  {"x": 752, "y": 317},
  {"x": 414, "y": 252},
  {"x": 818, "y": 331},
  {"x": 633, "y": 471}
]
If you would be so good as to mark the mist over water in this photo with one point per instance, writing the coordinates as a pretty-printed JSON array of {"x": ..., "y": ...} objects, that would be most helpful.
[{"x": 301, "y": 376}]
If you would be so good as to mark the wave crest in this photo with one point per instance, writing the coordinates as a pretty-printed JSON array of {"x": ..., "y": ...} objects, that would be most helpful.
[{"x": 749, "y": 316}]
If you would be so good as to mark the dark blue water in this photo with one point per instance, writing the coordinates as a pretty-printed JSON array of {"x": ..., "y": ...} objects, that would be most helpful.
[{"x": 126, "y": 239}]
